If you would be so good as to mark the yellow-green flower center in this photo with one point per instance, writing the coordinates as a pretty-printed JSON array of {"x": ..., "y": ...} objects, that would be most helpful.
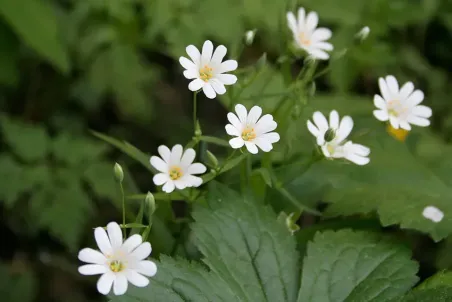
[
  {"x": 116, "y": 266},
  {"x": 248, "y": 134},
  {"x": 175, "y": 173},
  {"x": 304, "y": 39},
  {"x": 331, "y": 148},
  {"x": 206, "y": 73}
]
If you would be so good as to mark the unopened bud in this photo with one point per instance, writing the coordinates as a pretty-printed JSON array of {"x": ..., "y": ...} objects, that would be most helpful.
[
  {"x": 150, "y": 202},
  {"x": 249, "y": 37},
  {"x": 311, "y": 89},
  {"x": 198, "y": 131},
  {"x": 262, "y": 61},
  {"x": 363, "y": 33},
  {"x": 119, "y": 174},
  {"x": 211, "y": 159},
  {"x": 291, "y": 223}
]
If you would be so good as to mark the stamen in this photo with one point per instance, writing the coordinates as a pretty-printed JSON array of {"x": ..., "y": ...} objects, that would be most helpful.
[
  {"x": 206, "y": 73},
  {"x": 116, "y": 266},
  {"x": 175, "y": 173},
  {"x": 248, "y": 134}
]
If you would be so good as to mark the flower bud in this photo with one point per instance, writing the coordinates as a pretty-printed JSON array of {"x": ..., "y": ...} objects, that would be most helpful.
[
  {"x": 198, "y": 131},
  {"x": 249, "y": 37},
  {"x": 150, "y": 202},
  {"x": 291, "y": 224},
  {"x": 311, "y": 89},
  {"x": 363, "y": 33},
  {"x": 211, "y": 159},
  {"x": 119, "y": 174}
]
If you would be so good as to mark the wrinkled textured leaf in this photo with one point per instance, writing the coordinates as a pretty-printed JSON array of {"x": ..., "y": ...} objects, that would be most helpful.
[
  {"x": 441, "y": 294},
  {"x": 355, "y": 266},
  {"x": 245, "y": 245}
]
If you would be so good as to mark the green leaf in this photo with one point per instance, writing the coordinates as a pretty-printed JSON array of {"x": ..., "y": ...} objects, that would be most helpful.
[
  {"x": 17, "y": 287},
  {"x": 245, "y": 245},
  {"x": 180, "y": 281},
  {"x": 127, "y": 148},
  {"x": 355, "y": 266},
  {"x": 36, "y": 24},
  {"x": 440, "y": 279},
  {"x": 99, "y": 176},
  {"x": 441, "y": 294},
  {"x": 9, "y": 55},
  {"x": 29, "y": 142}
]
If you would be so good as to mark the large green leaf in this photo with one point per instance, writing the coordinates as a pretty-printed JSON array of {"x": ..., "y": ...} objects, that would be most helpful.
[
  {"x": 441, "y": 294},
  {"x": 17, "y": 286},
  {"x": 36, "y": 24},
  {"x": 245, "y": 245},
  {"x": 355, "y": 266},
  {"x": 179, "y": 281}
]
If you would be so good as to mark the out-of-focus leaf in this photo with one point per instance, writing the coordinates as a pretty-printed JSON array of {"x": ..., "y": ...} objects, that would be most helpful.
[
  {"x": 9, "y": 54},
  {"x": 99, "y": 176},
  {"x": 17, "y": 286},
  {"x": 35, "y": 23}
]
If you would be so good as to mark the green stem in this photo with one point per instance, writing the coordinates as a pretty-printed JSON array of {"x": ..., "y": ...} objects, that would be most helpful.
[
  {"x": 194, "y": 109},
  {"x": 123, "y": 208}
]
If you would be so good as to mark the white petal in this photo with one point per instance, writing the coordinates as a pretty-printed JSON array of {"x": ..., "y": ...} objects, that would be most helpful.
[
  {"x": 415, "y": 98},
  {"x": 159, "y": 164},
  {"x": 102, "y": 240},
  {"x": 136, "y": 279},
  {"x": 393, "y": 85},
  {"x": 361, "y": 150},
  {"x": 394, "y": 122},
  {"x": 92, "y": 269},
  {"x": 422, "y": 111},
  {"x": 197, "y": 168},
  {"x": 176, "y": 155},
  {"x": 292, "y": 22},
  {"x": 272, "y": 137},
  {"x": 188, "y": 157},
  {"x": 262, "y": 143},
  {"x": 168, "y": 187},
  {"x": 120, "y": 285},
  {"x": 194, "y": 54},
  {"x": 187, "y": 64},
  {"x": 312, "y": 20},
  {"x": 251, "y": 147},
  {"x": 206, "y": 55},
  {"x": 405, "y": 125},
  {"x": 208, "y": 91},
  {"x": 323, "y": 46},
  {"x": 381, "y": 115},
  {"x": 384, "y": 89},
  {"x": 89, "y": 255},
  {"x": 345, "y": 128},
  {"x": 191, "y": 74},
  {"x": 227, "y": 79},
  {"x": 160, "y": 179},
  {"x": 181, "y": 184},
  {"x": 319, "y": 54},
  {"x": 218, "y": 86},
  {"x": 379, "y": 102},
  {"x": 227, "y": 66},
  {"x": 321, "y": 34},
  {"x": 359, "y": 160},
  {"x": 234, "y": 120},
  {"x": 219, "y": 54},
  {"x": 433, "y": 213},
  {"x": 193, "y": 181},
  {"x": 105, "y": 282},
  {"x": 115, "y": 234},
  {"x": 147, "y": 268},
  {"x": 231, "y": 130},
  {"x": 164, "y": 152},
  {"x": 406, "y": 90},
  {"x": 301, "y": 19},
  {"x": 313, "y": 129},
  {"x": 264, "y": 127},
  {"x": 236, "y": 142},
  {"x": 320, "y": 121},
  {"x": 241, "y": 113},
  {"x": 418, "y": 121},
  {"x": 132, "y": 242},
  {"x": 334, "y": 119},
  {"x": 196, "y": 84},
  {"x": 142, "y": 251},
  {"x": 254, "y": 115},
  {"x": 321, "y": 138}
]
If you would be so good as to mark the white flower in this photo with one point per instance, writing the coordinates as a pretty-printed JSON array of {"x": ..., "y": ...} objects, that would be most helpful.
[
  {"x": 401, "y": 106},
  {"x": 208, "y": 70},
  {"x": 330, "y": 136},
  {"x": 251, "y": 129},
  {"x": 308, "y": 36},
  {"x": 177, "y": 168},
  {"x": 117, "y": 262},
  {"x": 433, "y": 213},
  {"x": 363, "y": 33}
]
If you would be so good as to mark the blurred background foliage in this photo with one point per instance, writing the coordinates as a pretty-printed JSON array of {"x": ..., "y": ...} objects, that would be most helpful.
[{"x": 67, "y": 67}]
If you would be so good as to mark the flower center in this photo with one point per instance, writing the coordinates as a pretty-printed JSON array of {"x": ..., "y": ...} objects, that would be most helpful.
[
  {"x": 175, "y": 173},
  {"x": 116, "y": 266},
  {"x": 304, "y": 39},
  {"x": 395, "y": 108},
  {"x": 206, "y": 73},
  {"x": 331, "y": 149},
  {"x": 248, "y": 134}
]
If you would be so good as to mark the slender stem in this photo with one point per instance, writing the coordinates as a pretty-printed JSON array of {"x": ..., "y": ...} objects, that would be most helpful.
[
  {"x": 194, "y": 109},
  {"x": 123, "y": 208}
]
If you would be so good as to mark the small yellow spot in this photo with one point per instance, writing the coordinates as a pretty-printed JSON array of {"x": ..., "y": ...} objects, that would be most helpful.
[
  {"x": 206, "y": 73},
  {"x": 330, "y": 149},
  {"x": 399, "y": 134},
  {"x": 248, "y": 134},
  {"x": 175, "y": 173},
  {"x": 116, "y": 266},
  {"x": 304, "y": 40}
]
